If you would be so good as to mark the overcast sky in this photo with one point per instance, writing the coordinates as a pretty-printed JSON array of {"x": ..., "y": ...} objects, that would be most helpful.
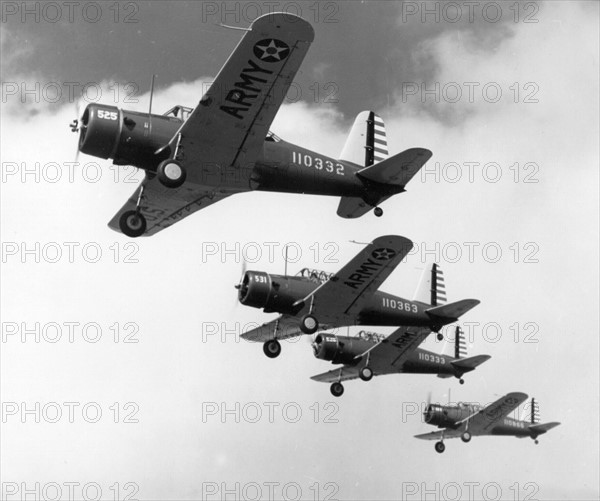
[{"x": 506, "y": 99}]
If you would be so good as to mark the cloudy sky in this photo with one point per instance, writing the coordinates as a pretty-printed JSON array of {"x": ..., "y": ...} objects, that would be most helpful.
[{"x": 126, "y": 352}]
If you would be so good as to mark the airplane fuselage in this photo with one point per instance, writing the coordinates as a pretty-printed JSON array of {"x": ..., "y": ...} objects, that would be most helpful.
[
  {"x": 282, "y": 294},
  {"x": 141, "y": 140}
]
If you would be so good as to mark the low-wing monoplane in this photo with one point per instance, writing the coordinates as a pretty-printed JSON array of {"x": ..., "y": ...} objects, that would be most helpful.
[
  {"x": 467, "y": 420},
  {"x": 317, "y": 300},
  {"x": 193, "y": 158},
  {"x": 371, "y": 354}
]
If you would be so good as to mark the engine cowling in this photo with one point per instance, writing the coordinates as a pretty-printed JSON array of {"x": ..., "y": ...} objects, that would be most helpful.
[
  {"x": 256, "y": 288},
  {"x": 339, "y": 349},
  {"x": 128, "y": 137},
  {"x": 447, "y": 415},
  {"x": 278, "y": 293}
]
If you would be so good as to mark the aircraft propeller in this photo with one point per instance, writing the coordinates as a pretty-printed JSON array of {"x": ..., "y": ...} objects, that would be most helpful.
[{"x": 74, "y": 125}]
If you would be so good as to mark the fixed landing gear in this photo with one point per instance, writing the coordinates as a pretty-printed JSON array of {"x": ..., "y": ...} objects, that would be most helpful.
[
  {"x": 440, "y": 447},
  {"x": 132, "y": 223},
  {"x": 309, "y": 324},
  {"x": 440, "y": 336},
  {"x": 272, "y": 348},
  {"x": 461, "y": 381},
  {"x": 171, "y": 173},
  {"x": 378, "y": 211},
  {"x": 466, "y": 437},
  {"x": 536, "y": 441},
  {"x": 337, "y": 389},
  {"x": 366, "y": 374}
]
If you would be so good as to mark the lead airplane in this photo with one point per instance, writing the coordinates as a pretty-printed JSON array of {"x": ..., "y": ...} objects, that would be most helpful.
[
  {"x": 468, "y": 420},
  {"x": 370, "y": 354},
  {"x": 196, "y": 157},
  {"x": 318, "y": 300}
]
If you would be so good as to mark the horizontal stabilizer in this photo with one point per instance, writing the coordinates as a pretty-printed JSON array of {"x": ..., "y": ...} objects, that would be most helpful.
[
  {"x": 470, "y": 363},
  {"x": 543, "y": 428},
  {"x": 399, "y": 169},
  {"x": 353, "y": 207},
  {"x": 453, "y": 311}
]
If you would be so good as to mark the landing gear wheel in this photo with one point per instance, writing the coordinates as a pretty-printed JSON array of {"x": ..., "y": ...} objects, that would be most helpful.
[
  {"x": 440, "y": 336},
  {"x": 536, "y": 442},
  {"x": 337, "y": 389},
  {"x": 366, "y": 374},
  {"x": 309, "y": 324},
  {"x": 466, "y": 437},
  {"x": 440, "y": 447},
  {"x": 132, "y": 223},
  {"x": 378, "y": 211},
  {"x": 171, "y": 173},
  {"x": 272, "y": 348},
  {"x": 461, "y": 381}
]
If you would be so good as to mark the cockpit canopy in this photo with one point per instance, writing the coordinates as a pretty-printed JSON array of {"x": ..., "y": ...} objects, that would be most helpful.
[
  {"x": 181, "y": 112},
  {"x": 316, "y": 276}
]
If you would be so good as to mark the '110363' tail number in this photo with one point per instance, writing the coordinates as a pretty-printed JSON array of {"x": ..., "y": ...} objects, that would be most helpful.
[
  {"x": 400, "y": 305},
  {"x": 318, "y": 163}
]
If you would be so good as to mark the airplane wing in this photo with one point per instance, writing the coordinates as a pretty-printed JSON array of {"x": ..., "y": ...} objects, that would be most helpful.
[
  {"x": 386, "y": 357},
  {"x": 162, "y": 206},
  {"x": 437, "y": 435},
  {"x": 220, "y": 141},
  {"x": 287, "y": 326},
  {"x": 346, "y": 292},
  {"x": 484, "y": 420},
  {"x": 229, "y": 125}
]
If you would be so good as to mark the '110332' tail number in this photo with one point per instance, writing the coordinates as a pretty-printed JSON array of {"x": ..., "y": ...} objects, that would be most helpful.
[{"x": 318, "y": 163}]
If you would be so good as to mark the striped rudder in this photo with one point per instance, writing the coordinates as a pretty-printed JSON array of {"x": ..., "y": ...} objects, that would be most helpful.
[
  {"x": 376, "y": 148},
  {"x": 535, "y": 412},
  {"x": 366, "y": 143},
  {"x": 460, "y": 345},
  {"x": 438, "y": 287},
  {"x": 431, "y": 289}
]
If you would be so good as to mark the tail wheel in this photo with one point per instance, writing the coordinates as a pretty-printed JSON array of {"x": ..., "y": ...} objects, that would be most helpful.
[
  {"x": 466, "y": 437},
  {"x": 132, "y": 223},
  {"x": 378, "y": 211},
  {"x": 366, "y": 374},
  {"x": 272, "y": 348},
  {"x": 461, "y": 381},
  {"x": 309, "y": 324},
  {"x": 337, "y": 389},
  {"x": 440, "y": 336},
  {"x": 440, "y": 447},
  {"x": 171, "y": 173}
]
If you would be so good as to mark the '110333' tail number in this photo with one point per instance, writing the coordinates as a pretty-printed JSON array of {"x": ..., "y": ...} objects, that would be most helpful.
[{"x": 318, "y": 163}]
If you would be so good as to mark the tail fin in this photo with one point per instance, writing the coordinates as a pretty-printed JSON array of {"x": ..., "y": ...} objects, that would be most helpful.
[
  {"x": 431, "y": 289},
  {"x": 366, "y": 144},
  {"x": 460, "y": 345}
]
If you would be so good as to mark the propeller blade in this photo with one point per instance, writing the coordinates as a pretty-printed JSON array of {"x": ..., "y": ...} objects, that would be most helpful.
[
  {"x": 238, "y": 286},
  {"x": 75, "y": 124}
]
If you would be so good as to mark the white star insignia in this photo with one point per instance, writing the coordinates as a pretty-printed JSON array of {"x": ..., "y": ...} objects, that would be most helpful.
[{"x": 271, "y": 50}]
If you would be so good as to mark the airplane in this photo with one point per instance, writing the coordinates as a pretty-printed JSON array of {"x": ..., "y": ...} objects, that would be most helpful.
[
  {"x": 316, "y": 300},
  {"x": 371, "y": 354},
  {"x": 468, "y": 420},
  {"x": 193, "y": 158}
]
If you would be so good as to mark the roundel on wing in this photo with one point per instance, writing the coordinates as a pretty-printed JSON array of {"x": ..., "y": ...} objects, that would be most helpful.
[
  {"x": 271, "y": 50},
  {"x": 383, "y": 254}
]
